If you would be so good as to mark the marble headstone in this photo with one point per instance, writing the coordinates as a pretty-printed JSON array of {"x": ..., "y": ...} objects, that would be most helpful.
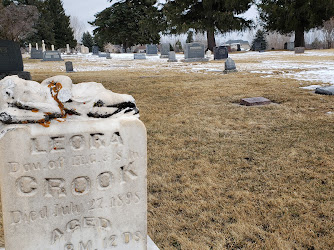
[
  {"x": 230, "y": 66},
  {"x": 71, "y": 181},
  {"x": 220, "y": 53},
  {"x": 194, "y": 52},
  {"x": 171, "y": 56},
  {"x": 165, "y": 48}
]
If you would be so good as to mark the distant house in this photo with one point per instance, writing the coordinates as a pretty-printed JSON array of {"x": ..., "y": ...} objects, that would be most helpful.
[{"x": 234, "y": 44}]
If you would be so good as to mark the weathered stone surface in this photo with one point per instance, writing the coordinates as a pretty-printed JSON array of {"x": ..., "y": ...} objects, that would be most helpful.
[
  {"x": 56, "y": 97},
  {"x": 151, "y": 49},
  {"x": 230, "y": 66},
  {"x": 74, "y": 185},
  {"x": 69, "y": 67},
  {"x": 253, "y": 101},
  {"x": 325, "y": 90},
  {"x": 171, "y": 57},
  {"x": 299, "y": 50},
  {"x": 220, "y": 53},
  {"x": 52, "y": 56},
  {"x": 194, "y": 52},
  {"x": 139, "y": 56},
  {"x": 165, "y": 49}
]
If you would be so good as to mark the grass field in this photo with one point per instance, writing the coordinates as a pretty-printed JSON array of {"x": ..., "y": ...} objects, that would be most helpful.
[{"x": 225, "y": 176}]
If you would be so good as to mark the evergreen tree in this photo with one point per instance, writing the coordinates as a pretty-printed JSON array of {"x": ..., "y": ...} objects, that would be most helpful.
[
  {"x": 87, "y": 40},
  {"x": 259, "y": 42},
  {"x": 286, "y": 16},
  {"x": 190, "y": 38},
  {"x": 128, "y": 23},
  {"x": 208, "y": 16},
  {"x": 63, "y": 33}
]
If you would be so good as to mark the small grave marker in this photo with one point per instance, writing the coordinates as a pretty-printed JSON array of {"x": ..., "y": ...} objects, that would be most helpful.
[
  {"x": 254, "y": 101},
  {"x": 139, "y": 56},
  {"x": 95, "y": 50},
  {"x": 52, "y": 56},
  {"x": 171, "y": 57},
  {"x": 165, "y": 48},
  {"x": 230, "y": 66},
  {"x": 220, "y": 53},
  {"x": 69, "y": 67},
  {"x": 299, "y": 50}
]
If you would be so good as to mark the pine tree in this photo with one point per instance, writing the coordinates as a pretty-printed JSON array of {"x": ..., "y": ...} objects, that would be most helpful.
[
  {"x": 208, "y": 16},
  {"x": 190, "y": 38},
  {"x": 63, "y": 33},
  {"x": 259, "y": 42},
  {"x": 128, "y": 23},
  {"x": 87, "y": 40},
  {"x": 286, "y": 16}
]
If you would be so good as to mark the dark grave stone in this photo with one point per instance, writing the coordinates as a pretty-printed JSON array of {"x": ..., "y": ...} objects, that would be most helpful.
[
  {"x": 238, "y": 47},
  {"x": 299, "y": 50},
  {"x": 69, "y": 67},
  {"x": 11, "y": 62},
  {"x": 95, "y": 50},
  {"x": 254, "y": 101},
  {"x": 139, "y": 56},
  {"x": 171, "y": 56},
  {"x": 220, "y": 52},
  {"x": 50, "y": 55},
  {"x": 194, "y": 52},
  {"x": 151, "y": 49},
  {"x": 325, "y": 90},
  {"x": 36, "y": 53},
  {"x": 258, "y": 46},
  {"x": 230, "y": 66},
  {"x": 108, "y": 55},
  {"x": 165, "y": 48}
]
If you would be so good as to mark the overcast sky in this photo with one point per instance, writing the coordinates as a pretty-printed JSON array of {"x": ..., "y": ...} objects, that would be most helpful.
[{"x": 85, "y": 10}]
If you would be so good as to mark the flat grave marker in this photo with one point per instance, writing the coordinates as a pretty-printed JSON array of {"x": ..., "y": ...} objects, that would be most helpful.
[{"x": 255, "y": 101}]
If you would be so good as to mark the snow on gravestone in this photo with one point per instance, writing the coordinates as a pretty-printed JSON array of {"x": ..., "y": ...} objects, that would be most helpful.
[{"x": 73, "y": 167}]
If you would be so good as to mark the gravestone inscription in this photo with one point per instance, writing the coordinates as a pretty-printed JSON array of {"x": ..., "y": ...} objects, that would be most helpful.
[
  {"x": 151, "y": 49},
  {"x": 11, "y": 62},
  {"x": 220, "y": 53},
  {"x": 165, "y": 48},
  {"x": 36, "y": 54},
  {"x": 52, "y": 56},
  {"x": 194, "y": 52},
  {"x": 75, "y": 184}
]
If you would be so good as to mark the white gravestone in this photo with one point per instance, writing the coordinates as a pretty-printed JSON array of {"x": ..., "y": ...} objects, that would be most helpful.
[
  {"x": 29, "y": 48},
  {"x": 75, "y": 179},
  {"x": 68, "y": 51},
  {"x": 43, "y": 46},
  {"x": 36, "y": 46},
  {"x": 52, "y": 47}
]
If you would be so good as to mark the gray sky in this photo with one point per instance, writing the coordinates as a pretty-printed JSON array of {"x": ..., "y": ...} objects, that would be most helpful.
[{"x": 85, "y": 10}]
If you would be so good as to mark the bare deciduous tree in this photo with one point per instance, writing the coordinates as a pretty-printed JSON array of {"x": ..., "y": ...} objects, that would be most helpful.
[
  {"x": 328, "y": 29},
  {"x": 17, "y": 21},
  {"x": 78, "y": 27}
]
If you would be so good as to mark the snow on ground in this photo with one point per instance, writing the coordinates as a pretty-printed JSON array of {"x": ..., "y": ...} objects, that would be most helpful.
[{"x": 316, "y": 66}]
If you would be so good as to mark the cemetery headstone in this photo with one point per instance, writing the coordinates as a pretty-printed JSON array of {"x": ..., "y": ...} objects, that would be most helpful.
[
  {"x": 95, "y": 50},
  {"x": 30, "y": 48},
  {"x": 151, "y": 49},
  {"x": 69, "y": 67},
  {"x": 36, "y": 46},
  {"x": 78, "y": 184},
  {"x": 52, "y": 47},
  {"x": 108, "y": 55},
  {"x": 299, "y": 50},
  {"x": 43, "y": 46},
  {"x": 230, "y": 66},
  {"x": 139, "y": 56},
  {"x": 171, "y": 56},
  {"x": 290, "y": 46},
  {"x": 254, "y": 101},
  {"x": 325, "y": 90},
  {"x": 52, "y": 56},
  {"x": 238, "y": 47},
  {"x": 11, "y": 62},
  {"x": 194, "y": 52},
  {"x": 103, "y": 54},
  {"x": 84, "y": 49},
  {"x": 208, "y": 54},
  {"x": 220, "y": 53},
  {"x": 68, "y": 51},
  {"x": 36, "y": 54},
  {"x": 165, "y": 48}
]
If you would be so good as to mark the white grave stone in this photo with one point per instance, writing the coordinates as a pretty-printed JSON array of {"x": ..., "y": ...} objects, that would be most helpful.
[
  {"x": 30, "y": 48},
  {"x": 68, "y": 51},
  {"x": 43, "y": 46},
  {"x": 77, "y": 181},
  {"x": 52, "y": 47},
  {"x": 36, "y": 46}
]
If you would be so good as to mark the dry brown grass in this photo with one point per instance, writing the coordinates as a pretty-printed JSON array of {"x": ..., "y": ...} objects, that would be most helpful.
[{"x": 225, "y": 176}]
